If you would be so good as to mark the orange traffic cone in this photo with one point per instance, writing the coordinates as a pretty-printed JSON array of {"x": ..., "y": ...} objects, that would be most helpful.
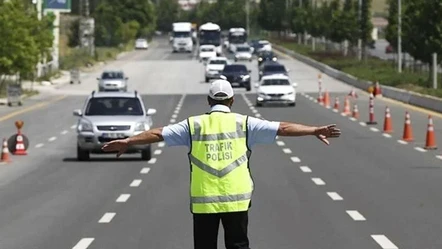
[
  {"x": 346, "y": 110},
  {"x": 430, "y": 143},
  {"x": 336, "y": 105},
  {"x": 408, "y": 131},
  {"x": 353, "y": 93},
  {"x": 20, "y": 146},
  {"x": 320, "y": 98},
  {"x": 326, "y": 99},
  {"x": 388, "y": 126},
  {"x": 355, "y": 111},
  {"x": 5, "y": 153},
  {"x": 377, "y": 90}
]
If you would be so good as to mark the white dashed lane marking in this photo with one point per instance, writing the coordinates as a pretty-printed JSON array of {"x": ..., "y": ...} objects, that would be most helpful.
[
  {"x": 383, "y": 241},
  {"x": 335, "y": 196},
  {"x": 439, "y": 157},
  {"x": 144, "y": 171},
  {"x": 386, "y": 135},
  {"x": 161, "y": 144},
  {"x": 176, "y": 111},
  {"x": 402, "y": 142},
  {"x": 157, "y": 152},
  {"x": 318, "y": 181},
  {"x": 419, "y": 149},
  {"x": 287, "y": 150},
  {"x": 280, "y": 143},
  {"x": 355, "y": 215},
  {"x": 352, "y": 119},
  {"x": 74, "y": 126},
  {"x": 64, "y": 132},
  {"x": 362, "y": 123},
  {"x": 174, "y": 116},
  {"x": 374, "y": 129},
  {"x": 257, "y": 115},
  {"x": 136, "y": 183},
  {"x": 51, "y": 139},
  {"x": 305, "y": 169},
  {"x": 254, "y": 111},
  {"x": 107, "y": 217},
  {"x": 39, "y": 145},
  {"x": 152, "y": 161},
  {"x": 295, "y": 159},
  {"x": 123, "y": 198},
  {"x": 83, "y": 243},
  {"x": 172, "y": 121}
]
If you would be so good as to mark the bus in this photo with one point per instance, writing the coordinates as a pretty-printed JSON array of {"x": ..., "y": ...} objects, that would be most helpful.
[
  {"x": 210, "y": 34},
  {"x": 236, "y": 36}
]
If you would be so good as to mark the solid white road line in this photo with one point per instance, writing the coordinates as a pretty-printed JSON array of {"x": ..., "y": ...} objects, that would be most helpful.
[
  {"x": 420, "y": 149},
  {"x": 64, "y": 132},
  {"x": 335, "y": 196},
  {"x": 374, "y": 129},
  {"x": 383, "y": 241},
  {"x": 136, "y": 183},
  {"x": 318, "y": 181},
  {"x": 123, "y": 198},
  {"x": 161, "y": 144},
  {"x": 362, "y": 123},
  {"x": 355, "y": 215},
  {"x": 107, "y": 217},
  {"x": 144, "y": 171},
  {"x": 83, "y": 243},
  {"x": 39, "y": 145},
  {"x": 295, "y": 159},
  {"x": 280, "y": 143},
  {"x": 157, "y": 152},
  {"x": 51, "y": 139},
  {"x": 152, "y": 161},
  {"x": 439, "y": 157},
  {"x": 386, "y": 135},
  {"x": 305, "y": 169},
  {"x": 287, "y": 150},
  {"x": 402, "y": 142}
]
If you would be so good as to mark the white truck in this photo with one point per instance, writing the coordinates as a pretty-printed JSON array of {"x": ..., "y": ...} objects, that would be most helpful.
[
  {"x": 237, "y": 36},
  {"x": 182, "y": 37},
  {"x": 210, "y": 34}
]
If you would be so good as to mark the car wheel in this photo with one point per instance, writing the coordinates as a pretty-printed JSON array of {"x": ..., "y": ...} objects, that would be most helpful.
[
  {"x": 146, "y": 154},
  {"x": 258, "y": 104},
  {"x": 82, "y": 155},
  {"x": 292, "y": 104},
  {"x": 248, "y": 88},
  {"x": 207, "y": 79}
]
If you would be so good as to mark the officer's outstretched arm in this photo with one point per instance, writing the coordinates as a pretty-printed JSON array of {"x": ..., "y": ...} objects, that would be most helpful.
[
  {"x": 148, "y": 137},
  {"x": 322, "y": 132}
]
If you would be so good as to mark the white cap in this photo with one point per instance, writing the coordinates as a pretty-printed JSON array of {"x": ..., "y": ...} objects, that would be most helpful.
[{"x": 221, "y": 90}]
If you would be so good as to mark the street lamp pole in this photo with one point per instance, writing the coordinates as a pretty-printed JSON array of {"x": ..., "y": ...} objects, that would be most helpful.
[
  {"x": 360, "y": 30},
  {"x": 248, "y": 16},
  {"x": 399, "y": 37}
]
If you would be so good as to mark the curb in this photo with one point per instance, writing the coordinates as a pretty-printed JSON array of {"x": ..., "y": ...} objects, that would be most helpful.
[{"x": 412, "y": 98}]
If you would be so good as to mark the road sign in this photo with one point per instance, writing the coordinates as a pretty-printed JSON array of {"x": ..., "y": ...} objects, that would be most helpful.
[{"x": 57, "y": 5}]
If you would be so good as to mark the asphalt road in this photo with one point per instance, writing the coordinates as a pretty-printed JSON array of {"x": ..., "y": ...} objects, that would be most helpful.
[{"x": 363, "y": 191}]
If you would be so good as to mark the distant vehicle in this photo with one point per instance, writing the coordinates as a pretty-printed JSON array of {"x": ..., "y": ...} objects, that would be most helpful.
[
  {"x": 238, "y": 75},
  {"x": 270, "y": 68},
  {"x": 107, "y": 116},
  {"x": 243, "y": 52},
  {"x": 194, "y": 34},
  {"x": 214, "y": 66},
  {"x": 254, "y": 45},
  {"x": 112, "y": 81},
  {"x": 210, "y": 34},
  {"x": 276, "y": 89},
  {"x": 206, "y": 52},
  {"x": 182, "y": 37},
  {"x": 141, "y": 43},
  {"x": 264, "y": 45},
  {"x": 236, "y": 36},
  {"x": 264, "y": 56}
]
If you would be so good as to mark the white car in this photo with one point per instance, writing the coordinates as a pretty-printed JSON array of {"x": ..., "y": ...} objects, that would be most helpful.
[
  {"x": 277, "y": 89},
  {"x": 141, "y": 44},
  {"x": 206, "y": 52},
  {"x": 243, "y": 52},
  {"x": 214, "y": 66},
  {"x": 264, "y": 46}
]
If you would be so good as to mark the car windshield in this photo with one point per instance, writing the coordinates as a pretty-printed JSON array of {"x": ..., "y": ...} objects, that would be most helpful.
[
  {"x": 141, "y": 40},
  {"x": 112, "y": 75},
  {"x": 274, "y": 68},
  {"x": 207, "y": 49},
  {"x": 235, "y": 68},
  {"x": 266, "y": 55},
  {"x": 114, "y": 106},
  {"x": 276, "y": 82},
  {"x": 218, "y": 62},
  {"x": 263, "y": 42},
  {"x": 243, "y": 49}
]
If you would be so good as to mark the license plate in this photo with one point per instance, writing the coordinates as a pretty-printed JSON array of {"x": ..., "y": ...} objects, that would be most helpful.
[
  {"x": 235, "y": 84},
  {"x": 113, "y": 135}
]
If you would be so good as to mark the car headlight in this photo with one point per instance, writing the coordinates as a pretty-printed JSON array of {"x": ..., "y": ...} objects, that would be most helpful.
[
  {"x": 245, "y": 77},
  {"x": 259, "y": 59},
  {"x": 140, "y": 126},
  {"x": 85, "y": 126},
  {"x": 274, "y": 59}
]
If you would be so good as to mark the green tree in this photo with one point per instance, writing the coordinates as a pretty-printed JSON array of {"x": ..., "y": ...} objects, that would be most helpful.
[
  {"x": 167, "y": 12},
  {"x": 270, "y": 16},
  {"x": 349, "y": 19},
  {"x": 366, "y": 27}
]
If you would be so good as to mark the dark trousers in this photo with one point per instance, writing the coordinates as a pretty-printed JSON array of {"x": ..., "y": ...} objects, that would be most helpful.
[{"x": 206, "y": 226}]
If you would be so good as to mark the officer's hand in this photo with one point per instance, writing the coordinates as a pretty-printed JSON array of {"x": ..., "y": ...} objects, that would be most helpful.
[
  {"x": 120, "y": 146},
  {"x": 324, "y": 132}
]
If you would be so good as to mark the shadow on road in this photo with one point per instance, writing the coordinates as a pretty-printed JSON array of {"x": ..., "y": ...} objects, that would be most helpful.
[{"x": 103, "y": 159}]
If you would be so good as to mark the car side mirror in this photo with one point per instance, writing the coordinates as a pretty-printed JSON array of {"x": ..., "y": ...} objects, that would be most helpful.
[
  {"x": 151, "y": 112},
  {"x": 249, "y": 71},
  {"x": 295, "y": 85},
  {"x": 78, "y": 113},
  {"x": 126, "y": 78},
  {"x": 256, "y": 85},
  {"x": 223, "y": 77}
]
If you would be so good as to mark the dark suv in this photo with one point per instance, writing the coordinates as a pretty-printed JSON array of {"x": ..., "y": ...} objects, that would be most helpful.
[
  {"x": 269, "y": 68},
  {"x": 238, "y": 75},
  {"x": 266, "y": 56}
]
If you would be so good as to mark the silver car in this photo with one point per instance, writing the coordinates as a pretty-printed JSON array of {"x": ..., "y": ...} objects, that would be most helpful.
[
  {"x": 112, "y": 81},
  {"x": 107, "y": 116}
]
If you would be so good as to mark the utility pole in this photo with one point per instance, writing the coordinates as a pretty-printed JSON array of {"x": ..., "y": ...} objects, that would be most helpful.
[
  {"x": 39, "y": 7},
  {"x": 248, "y": 17},
  {"x": 399, "y": 37},
  {"x": 360, "y": 30}
]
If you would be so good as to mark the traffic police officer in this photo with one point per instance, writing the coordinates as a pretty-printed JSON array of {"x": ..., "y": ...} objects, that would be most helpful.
[{"x": 220, "y": 143}]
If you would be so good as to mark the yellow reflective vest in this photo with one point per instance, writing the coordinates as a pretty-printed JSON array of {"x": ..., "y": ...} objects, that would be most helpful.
[{"x": 219, "y": 156}]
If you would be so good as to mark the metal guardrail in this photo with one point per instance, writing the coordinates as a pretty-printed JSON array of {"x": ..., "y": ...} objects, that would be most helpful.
[{"x": 409, "y": 97}]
